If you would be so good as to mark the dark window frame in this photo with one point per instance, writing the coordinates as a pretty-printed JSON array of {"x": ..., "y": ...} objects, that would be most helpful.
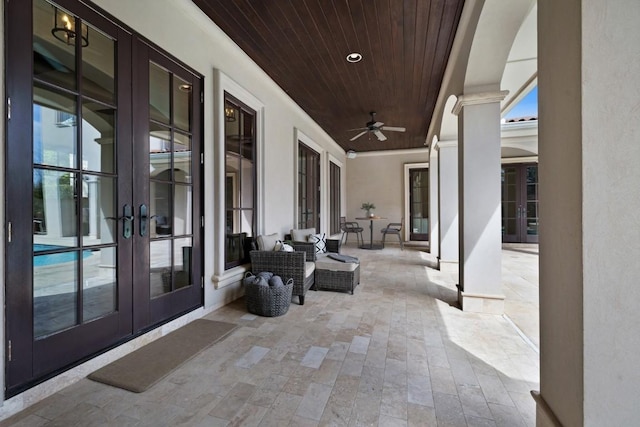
[
  {"x": 238, "y": 244},
  {"x": 335, "y": 196},
  {"x": 308, "y": 187}
]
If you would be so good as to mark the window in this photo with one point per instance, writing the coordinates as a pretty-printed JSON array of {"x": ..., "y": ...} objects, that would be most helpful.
[
  {"x": 240, "y": 181},
  {"x": 334, "y": 186},
  {"x": 308, "y": 188}
]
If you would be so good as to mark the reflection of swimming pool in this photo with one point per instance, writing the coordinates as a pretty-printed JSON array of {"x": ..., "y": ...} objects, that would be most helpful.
[{"x": 50, "y": 259}]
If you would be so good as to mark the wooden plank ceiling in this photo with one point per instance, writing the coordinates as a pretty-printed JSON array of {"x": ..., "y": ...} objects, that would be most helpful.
[{"x": 303, "y": 45}]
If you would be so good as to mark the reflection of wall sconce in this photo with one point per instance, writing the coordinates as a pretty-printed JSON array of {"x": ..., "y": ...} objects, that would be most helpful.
[
  {"x": 230, "y": 114},
  {"x": 64, "y": 28}
]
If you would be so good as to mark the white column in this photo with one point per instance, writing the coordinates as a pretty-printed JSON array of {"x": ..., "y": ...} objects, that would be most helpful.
[
  {"x": 480, "y": 286},
  {"x": 448, "y": 196},
  {"x": 589, "y": 86},
  {"x": 434, "y": 203}
]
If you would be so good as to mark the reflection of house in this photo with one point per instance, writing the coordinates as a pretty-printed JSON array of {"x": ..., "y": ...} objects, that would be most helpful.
[{"x": 582, "y": 54}]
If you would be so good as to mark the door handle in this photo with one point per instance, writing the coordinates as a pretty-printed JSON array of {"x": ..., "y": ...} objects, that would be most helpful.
[
  {"x": 144, "y": 219},
  {"x": 127, "y": 221}
]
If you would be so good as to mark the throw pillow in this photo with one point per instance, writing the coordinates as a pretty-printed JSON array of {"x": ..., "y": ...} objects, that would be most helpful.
[
  {"x": 268, "y": 242},
  {"x": 266, "y": 275},
  {"x": 276, "y": 281},
  {"x": 287, "y": 248},
  {"x": 300, "y": 235},
  {"x": 319, "y": 241}
]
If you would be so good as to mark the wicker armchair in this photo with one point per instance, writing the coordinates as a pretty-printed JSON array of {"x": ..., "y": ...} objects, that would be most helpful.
[
  {"x": 289, "y": 265},
  {"x": 298, "y": 265}
]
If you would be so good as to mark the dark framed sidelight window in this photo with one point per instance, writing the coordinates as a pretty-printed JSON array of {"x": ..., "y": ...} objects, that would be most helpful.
[
  {"x": 308, "y": 188},
  {"x": 240, "y": 181},
  {"x": 80, "y": 141},
  {"x": 335, "y": 197}
]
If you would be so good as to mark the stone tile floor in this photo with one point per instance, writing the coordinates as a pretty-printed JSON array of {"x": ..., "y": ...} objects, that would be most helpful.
[{"x": 396, "y": 353}]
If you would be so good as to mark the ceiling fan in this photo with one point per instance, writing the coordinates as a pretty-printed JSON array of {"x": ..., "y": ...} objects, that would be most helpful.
[{"x": 376, "y": 128}]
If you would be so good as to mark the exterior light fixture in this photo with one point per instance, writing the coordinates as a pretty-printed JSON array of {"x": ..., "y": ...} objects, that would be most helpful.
[
  {"x": 354, "y": 57},
  {"x": 351, "y": 154},
  {"x": 230, "y": 114},
  {"x": 64, "y": 28}
]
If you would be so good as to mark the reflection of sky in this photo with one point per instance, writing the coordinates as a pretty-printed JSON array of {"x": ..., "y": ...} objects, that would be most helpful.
[
  {"x": 37, "y": 134},
  {"x": 528, "y": 106}
]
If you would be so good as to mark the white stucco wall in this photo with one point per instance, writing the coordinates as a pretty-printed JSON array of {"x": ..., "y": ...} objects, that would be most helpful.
[
  {"x": 611, "y": 203},
  {"x": 379, "y": 178}
]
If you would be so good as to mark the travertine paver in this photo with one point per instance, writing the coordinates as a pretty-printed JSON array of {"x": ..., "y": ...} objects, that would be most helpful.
[{"x": 397, "y": 353}]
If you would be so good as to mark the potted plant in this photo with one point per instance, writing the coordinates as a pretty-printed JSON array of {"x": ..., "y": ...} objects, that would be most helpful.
[{"x": 368, "y": 207}]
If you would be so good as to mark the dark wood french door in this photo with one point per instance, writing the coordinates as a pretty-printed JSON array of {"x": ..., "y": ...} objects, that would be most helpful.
[
  {"x": 103, "y": 190},
  {"x": 419, "y": 204},
  {"x": 520, "y": 203}
]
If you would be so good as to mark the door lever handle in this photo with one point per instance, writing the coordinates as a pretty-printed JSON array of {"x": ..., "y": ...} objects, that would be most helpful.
[
  {"x": 127, "y": 221},
  {"x": 143, "y": 218}
]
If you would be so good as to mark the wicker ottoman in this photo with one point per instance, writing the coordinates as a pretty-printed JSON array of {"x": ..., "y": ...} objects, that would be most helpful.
[{"x": 333, "y": 275}]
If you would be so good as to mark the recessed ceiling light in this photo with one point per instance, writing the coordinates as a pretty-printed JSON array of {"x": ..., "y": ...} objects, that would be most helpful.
[
  {"x": 354, "y": 57},
  {"x": 185, "y": 88}
]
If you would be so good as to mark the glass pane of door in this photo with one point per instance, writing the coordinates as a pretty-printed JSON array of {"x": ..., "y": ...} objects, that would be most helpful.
[
  {"x": 74, "y": 198},
  {"x": 531, "y": 216},
  {"x": 170, "y": 182}
]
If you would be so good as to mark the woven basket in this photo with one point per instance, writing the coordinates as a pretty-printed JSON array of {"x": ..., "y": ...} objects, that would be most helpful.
[{"x": 268, "y": 301}]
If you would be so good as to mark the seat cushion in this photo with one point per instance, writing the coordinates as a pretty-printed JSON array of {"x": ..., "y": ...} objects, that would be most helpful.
[
  {"x": 302, "y": 234},
  {"x": 309, "y": 268},
  {"x": 324, "y": 262},
  {"x": 267, "y": 242}
]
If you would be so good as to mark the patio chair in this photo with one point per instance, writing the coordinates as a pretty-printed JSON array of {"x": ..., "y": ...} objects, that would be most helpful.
[
  {"x": 350, "y": 227},
  {"x": 393, "y": 228}
]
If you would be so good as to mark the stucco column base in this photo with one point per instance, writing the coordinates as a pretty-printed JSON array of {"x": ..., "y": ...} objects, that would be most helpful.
[
  {"x": 480, "y": 303},
  {"x": 544, "y": 415},
  {"x": 448, "y": 266}
]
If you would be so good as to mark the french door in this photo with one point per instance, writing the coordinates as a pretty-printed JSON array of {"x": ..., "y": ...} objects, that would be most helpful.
[
  {"x": 419, "y": 204},
  {"x": 103, "y": 188},
  {"x": 520, "y": 203}
]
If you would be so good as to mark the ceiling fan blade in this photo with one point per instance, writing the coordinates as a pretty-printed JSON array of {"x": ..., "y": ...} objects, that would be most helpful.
[
  {"x": 358, "y": 135},
  {"x": 394, "y": 128},
  {"x": 377, "y": 124},
  {"x": 349, "y": 130},
  {"x": 380, "y": 135}
]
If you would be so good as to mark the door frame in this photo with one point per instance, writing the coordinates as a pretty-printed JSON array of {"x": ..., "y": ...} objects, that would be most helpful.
[{"x": 521, "y": 235}]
